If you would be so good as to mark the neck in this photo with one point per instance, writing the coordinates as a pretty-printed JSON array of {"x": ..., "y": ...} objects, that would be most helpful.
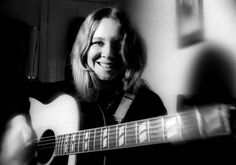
[{"x": 110, "y": 85}]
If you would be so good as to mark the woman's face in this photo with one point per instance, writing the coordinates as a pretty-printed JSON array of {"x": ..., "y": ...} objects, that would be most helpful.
[{"x": 104, "y": 55}]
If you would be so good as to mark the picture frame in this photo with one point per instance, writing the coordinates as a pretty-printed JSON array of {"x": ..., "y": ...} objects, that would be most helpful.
[{"x": 190, "y": 25}]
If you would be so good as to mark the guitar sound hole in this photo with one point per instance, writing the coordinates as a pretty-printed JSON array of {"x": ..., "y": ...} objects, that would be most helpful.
[{"x": 46, "y": 146}]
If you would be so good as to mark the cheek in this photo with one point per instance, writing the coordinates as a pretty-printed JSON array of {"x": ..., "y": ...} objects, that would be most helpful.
[
  {"x": 89, "y": 60},
  {"x": 91, "y": 57}
]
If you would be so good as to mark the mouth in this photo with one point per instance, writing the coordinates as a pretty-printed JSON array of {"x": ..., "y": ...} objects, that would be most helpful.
[{"x": 106, "y": 65}]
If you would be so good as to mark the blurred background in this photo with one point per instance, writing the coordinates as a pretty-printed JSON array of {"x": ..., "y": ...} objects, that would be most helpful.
[{"x": 183, "y": 39}]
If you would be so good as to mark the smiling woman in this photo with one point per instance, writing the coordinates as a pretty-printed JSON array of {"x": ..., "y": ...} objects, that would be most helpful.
[
  {"x": 104, "y": 55},
  {"x": 105, "y": 49}
]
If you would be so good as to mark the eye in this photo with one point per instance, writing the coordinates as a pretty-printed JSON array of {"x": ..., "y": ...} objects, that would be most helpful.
[{"x": 97, "y": 43}]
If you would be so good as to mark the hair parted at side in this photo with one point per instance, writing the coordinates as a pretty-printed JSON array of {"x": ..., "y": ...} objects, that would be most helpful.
[{"x": 86, "y": 82}]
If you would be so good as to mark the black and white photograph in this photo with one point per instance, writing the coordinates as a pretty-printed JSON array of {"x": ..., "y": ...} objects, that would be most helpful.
[{"x": 117, "y": 82}]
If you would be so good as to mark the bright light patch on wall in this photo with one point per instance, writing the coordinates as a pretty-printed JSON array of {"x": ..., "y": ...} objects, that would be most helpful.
[{"x": 220, "y": 21}]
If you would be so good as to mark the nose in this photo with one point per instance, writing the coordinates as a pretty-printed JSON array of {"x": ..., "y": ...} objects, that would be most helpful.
[{"x": 108, "y": 51}]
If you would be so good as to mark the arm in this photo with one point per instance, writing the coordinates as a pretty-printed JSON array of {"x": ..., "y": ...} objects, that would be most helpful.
[{"x": 17, "y": 143}]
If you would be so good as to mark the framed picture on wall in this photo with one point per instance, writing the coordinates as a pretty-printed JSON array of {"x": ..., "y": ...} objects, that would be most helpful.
[{"x": 190, "y": 27}]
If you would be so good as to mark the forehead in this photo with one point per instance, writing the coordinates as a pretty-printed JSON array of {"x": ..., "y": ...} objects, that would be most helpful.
[{"x": 108, "y": 28}]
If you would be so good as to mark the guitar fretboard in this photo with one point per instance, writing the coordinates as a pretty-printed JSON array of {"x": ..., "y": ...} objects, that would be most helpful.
[{"x": 172, "y": 128}]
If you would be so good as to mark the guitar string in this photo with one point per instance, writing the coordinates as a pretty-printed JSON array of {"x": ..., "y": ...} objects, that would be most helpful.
[
  {"x": 82, "y": 137},
  {"x": 97, "y": 131},
  {"x": 93, "y": 145},
  {"x": 128, "y": 125},
  {"x": 109, "y": 129},
  {"x": 112, "y": 128},
  {"x": 94, "y": 141},
  {"x": 114, "y": 134},
  {"x": 62, "y": 142}
]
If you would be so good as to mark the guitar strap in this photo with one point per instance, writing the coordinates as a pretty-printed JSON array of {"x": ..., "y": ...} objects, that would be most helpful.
[{"x": 122, "y": 109}]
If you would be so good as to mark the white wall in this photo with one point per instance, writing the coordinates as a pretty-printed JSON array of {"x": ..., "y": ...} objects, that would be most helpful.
[
  {"x": 220, "y": 27},
  {"x": 169, "y": 67}
]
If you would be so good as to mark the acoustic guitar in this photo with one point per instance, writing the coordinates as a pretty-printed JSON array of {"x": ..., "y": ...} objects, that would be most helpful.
[{"x": 57, "y": 128}]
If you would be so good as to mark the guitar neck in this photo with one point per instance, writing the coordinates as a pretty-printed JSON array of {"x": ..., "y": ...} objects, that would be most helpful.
[{"x": 171, "y": 128}]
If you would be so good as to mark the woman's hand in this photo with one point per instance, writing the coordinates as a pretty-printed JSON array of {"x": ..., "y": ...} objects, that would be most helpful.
[{"x": 17, "y": 145}]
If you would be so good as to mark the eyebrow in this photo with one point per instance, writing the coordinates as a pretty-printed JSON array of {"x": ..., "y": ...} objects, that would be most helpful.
[
  {"x": 98, "y": 38},
  {"x": 102, "y": 39}
]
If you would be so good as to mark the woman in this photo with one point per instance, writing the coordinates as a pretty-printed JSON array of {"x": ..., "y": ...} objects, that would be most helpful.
[
  {"x": 107, "y": 64},
  {"x": 107, "y": 60}
]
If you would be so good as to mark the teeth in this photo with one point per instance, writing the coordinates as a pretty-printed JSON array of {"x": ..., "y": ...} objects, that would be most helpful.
[{"x": 106, "y": 65}]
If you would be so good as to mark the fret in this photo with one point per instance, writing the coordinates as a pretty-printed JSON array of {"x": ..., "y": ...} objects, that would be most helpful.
[
  {"x": 63, "y": 144},
  {"x": 94, "y": 139},
  {"x": 66, "y": 144},
  {"x": 73, "y": 136},
  {"x": 55, "y": 150},
  {"x": 163, "y": 128},
  {"x": 121, "y": 135},
  {"x": 72, "y": 143},
  {"x": 104, "y": 138},
  {"x": 148, "y": 131},
  {"x": 224, "y": 116},
  {"x": 179, "y": 121},
  {"x": 81, "y": 141},
  {"x": 156, "y": 132},
  {"x": 69, "y": 143},
  {"x": 97, "y": 138},
  {"x": 76, "y": 144},
  {"x": 91, "y": 139},
  {"x": 108, "y": 131},
  {"x": 172, "y": 128},
  {"x": 136, "y": 132},
  {"x": 117, "y": 134},
  {"x": 125, "y": 126},
  {"x": 142, "y": 132},
  {"x": 58, "y": 148},
  {"x": 191, "y": 128},
  {"x": 112, "y": 136},
  {"x": 86, "y": 140},
  {"x": 130, "y": 134},
  {"x": 199, "y": 123}
]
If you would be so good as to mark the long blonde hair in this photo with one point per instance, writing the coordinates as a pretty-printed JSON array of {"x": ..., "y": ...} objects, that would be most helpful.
[{"x": 86, "y": 82}]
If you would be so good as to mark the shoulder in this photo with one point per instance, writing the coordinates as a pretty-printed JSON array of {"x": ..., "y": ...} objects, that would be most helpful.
[
  {"x": 148, "y": 95},
  {"x": 146, "y": 104}
]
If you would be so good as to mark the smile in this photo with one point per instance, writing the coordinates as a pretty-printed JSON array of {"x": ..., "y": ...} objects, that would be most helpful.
[{"x": 106, "y": 65}]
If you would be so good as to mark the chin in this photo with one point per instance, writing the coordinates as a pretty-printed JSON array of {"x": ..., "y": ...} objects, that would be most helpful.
[{"x": 107, "y": 77}]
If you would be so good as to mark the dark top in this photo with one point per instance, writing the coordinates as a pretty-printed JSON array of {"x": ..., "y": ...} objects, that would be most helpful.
[{"x": 146, "y": 104}]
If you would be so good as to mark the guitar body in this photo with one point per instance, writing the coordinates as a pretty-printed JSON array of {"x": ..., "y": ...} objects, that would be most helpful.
[{"x": 58, "y": 117}]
